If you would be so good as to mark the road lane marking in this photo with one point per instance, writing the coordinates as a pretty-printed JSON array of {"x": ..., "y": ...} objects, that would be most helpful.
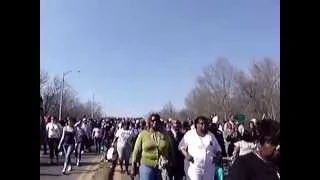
[{"x": 89, "y": 169}]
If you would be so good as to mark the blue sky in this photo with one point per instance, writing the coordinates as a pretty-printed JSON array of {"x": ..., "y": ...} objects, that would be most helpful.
[{"x": 136, "y": 55}]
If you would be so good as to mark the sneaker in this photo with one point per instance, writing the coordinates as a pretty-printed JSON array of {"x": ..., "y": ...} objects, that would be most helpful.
[
  {"x": 69, "y": 168},
  {"x": 63, "y": 171}
]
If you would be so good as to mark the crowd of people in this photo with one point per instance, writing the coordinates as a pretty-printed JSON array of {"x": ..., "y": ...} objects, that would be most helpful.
[{"x": 158, "y": 148}]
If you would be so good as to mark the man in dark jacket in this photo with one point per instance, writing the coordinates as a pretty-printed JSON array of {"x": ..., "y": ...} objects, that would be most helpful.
[
  {"x": 176, "y": 172},
  {"x": 219, "y": 136}
]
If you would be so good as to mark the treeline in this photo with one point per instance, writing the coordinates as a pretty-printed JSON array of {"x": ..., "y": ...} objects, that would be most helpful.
[
  {"x": 50, "y": 89},
  {"x": 226, "y": 90}
]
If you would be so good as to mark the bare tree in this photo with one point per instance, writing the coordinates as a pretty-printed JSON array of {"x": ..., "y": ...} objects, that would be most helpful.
[
  {"x": 71, "y": 105},
  {"x": 215, "y": 89},
  {"x": 44, "y": 78},
  {"x": 168, "y": 111},
  {"x": 266, "y": 74},
  {"x": 223, "y": 89},
  {"x": 186, "y": 115}
]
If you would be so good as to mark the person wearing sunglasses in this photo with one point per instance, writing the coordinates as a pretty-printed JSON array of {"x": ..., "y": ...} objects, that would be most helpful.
[
  {"x": 152, "y": 149},
  {"x": 258, "y": 165}
]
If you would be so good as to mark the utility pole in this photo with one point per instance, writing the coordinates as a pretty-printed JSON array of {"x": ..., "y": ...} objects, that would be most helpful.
[{"x": 61, "y": 93}]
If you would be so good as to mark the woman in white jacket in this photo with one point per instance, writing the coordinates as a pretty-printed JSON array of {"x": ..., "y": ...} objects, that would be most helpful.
[{"x": 201, "y": 150}]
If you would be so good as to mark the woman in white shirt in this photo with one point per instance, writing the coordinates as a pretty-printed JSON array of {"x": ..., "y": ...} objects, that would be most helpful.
[
  {"x": 97, "y": 136},
  {"x": 201, "y": 150},
  {"x": 124, "y": 138},
  {"x": 54, "y": 131}
]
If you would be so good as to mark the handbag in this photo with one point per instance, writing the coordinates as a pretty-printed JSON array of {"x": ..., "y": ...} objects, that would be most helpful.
[
  {"x": 162, "y": 161},
  {"x": 111, "y": 154}
]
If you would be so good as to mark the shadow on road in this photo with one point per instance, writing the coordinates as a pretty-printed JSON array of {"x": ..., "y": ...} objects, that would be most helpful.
[
  {"x": 61, "y": 163},
  {"x": 88, "y": 163},
  {"x": 48, "y": 164},
  {"x": 48, "y": 174},
  {"x": 84, "y": 171}
]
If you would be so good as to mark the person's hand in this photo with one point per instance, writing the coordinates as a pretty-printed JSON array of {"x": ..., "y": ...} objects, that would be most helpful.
[{"x": 190, "y": 158}]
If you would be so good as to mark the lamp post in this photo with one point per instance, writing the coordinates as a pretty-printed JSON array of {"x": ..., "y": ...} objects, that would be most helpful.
[{"x": 64, "y": 74}]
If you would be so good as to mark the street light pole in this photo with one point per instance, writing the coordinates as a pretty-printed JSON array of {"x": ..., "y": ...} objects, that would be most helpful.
[{"x": 61, "y": 93}]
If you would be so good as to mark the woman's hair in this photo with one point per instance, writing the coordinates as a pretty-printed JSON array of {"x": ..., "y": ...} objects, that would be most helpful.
[
  {"x": 154, "y": 116},
  {"x": 185, "y": 125},
  {"x": 268, "y": 131},
  {"x": 126, "y": 124},
  {"x": 205, "y": 119},
  {"x": 72, "y": 120},
  {"x": 54, "y": 118},
  {"x": 143, "y": 123}
]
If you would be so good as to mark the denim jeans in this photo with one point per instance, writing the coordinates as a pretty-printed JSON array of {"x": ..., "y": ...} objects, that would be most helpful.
[
  {"x": 53, "y": 147},
  {"x": 67, "y": 148},
  {"x": 149, "y": 173},
  {"x": 79, "y": 148},
  {"x": 98, "y": 142}
]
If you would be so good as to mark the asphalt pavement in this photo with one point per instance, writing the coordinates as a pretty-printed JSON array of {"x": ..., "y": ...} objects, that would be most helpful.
[
  {"x": 90, "y": 164},
  {"x": 91, "y": 169}
]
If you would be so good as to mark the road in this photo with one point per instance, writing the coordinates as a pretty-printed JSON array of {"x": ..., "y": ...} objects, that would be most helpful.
[
  {"x": 90, "y": 165},
  {"x": 116, "y": 175},
  {"x": 91, "y": 169}
]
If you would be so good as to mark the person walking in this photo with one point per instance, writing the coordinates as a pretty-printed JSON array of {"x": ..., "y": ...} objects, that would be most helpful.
[
  {"x": 80, "y": 142},
  {"x": 86, "y": 128},
  {"x": 54, "y": 131},
  {"x": 258, "y": 165},
  {"x": 152, "y": 150},
  {"x": 43, "y": 134},
  {"x": 176, "y": 172},
  {"x": 97, "y": 137},
  {"x": 201, "y": 150},
  {"x": 124, "y": 138},
  {"x": 67, "y": 142}
]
